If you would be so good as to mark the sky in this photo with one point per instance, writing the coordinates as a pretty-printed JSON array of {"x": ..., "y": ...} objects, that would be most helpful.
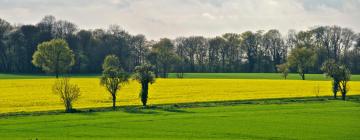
[{"x": 173, "y": 18}]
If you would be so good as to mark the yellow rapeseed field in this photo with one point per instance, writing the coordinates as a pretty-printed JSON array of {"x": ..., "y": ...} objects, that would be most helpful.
[{"x": 35, "y": 94}]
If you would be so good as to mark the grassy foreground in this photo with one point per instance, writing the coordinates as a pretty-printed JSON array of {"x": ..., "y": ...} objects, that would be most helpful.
[{"x": 308, "y": 120}]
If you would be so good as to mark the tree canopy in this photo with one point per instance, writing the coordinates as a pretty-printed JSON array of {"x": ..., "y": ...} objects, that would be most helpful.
[
  {"x": 145, "y": 76},
  {"x": 54, "y": 56},
  {"x": 113, "y": 76}
]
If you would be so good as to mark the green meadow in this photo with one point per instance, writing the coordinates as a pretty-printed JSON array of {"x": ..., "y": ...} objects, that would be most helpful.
[{"x": 329, "y": 119}]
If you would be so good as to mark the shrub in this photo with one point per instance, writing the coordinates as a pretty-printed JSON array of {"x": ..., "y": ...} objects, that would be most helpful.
[{"x": 68, "y": 92}]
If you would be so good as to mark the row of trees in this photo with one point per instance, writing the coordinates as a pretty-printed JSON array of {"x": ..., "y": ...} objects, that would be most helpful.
[
  {"x": 261, "y": 51},
  {"x": 113, "y": 78},
  {"x": 55, "y": 56}
]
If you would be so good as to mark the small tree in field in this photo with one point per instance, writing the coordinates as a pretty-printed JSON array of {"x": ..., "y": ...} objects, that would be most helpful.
[
  {"x": 284, "y": 69},
  {"x": 54, "y": 56},
  {"x": 68, "y": 92},
  {"x": 144, "y": 75},
  {"x": 113, "y": 76},
  {"x": 302, "y": 59},
  {"x": 340, "y": 75}
]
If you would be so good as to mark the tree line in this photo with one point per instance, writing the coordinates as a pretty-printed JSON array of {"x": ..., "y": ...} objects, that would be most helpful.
[
  {"x": 55, "y": 56},
  {"x": 261, "y": 51}
]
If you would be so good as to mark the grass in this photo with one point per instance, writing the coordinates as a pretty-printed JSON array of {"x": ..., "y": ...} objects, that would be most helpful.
[
  {"x": 27, "y": 95},
  {"x": 278, "y": 76},
  {"x": 200, "y": 106},
  {"x": 326, "y": 119},
  {"x": 41, "y": 76},
  {"x": 273, "y": 76}
]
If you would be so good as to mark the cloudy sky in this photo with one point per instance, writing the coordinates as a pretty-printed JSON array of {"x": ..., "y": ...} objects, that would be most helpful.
[{"x": 172, "y": 18}]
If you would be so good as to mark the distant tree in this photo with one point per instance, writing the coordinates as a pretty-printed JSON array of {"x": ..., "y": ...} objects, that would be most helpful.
[
  {"x": 63, "y": 28},
  {"x": 47, "y": 23},
  {"x": 284, "y": 69},
  {"x": 275, "y": 47},
  {"x": 54, "y": 56},
  {"x": 68, "y": 92},
  {"x": 233, "y": 42},
  {"x": 113, "y": 76},
  {"x": 144, "y": 75},
  {"x": 215, "y": 57},
  {"x": 250, "y": 46},
  {"x": 182, "y": 60},
  {"x": 30, "y": 36},
  {"x": 354, "y": 57},
  {"x": 340, "y": 75},
  {"x": 139, "y": 49},
  {"x": 5, "y": 28},
  {"x": 179, "y": 68},
  {"x": 302, "y": 59},
  {"x": 16, "y": 51},
  {"x": 164, "y": 56}
]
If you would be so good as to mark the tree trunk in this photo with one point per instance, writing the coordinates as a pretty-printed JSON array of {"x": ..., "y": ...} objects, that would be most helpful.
[
  {"x": 114, "y": 101},
  {"x": 343, "y": 96},
  {"x": 144, "y": 92},
  {"x": 302, "y": 76},
  {"x": 335, "y": 88},
  {"x": 68, "y": 107}
]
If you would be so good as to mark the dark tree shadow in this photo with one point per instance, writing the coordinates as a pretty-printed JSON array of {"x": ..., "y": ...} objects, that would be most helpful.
[
  {"x": 136, "y": 110},
  {"x": 173, "y": 109}
]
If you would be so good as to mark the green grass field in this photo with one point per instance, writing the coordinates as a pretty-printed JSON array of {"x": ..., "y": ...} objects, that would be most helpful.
[
  {"x": 41, "y": 76},
  {"x": 308, "y": 120},
  {"x": 292, "y": 76},
  {"x": 293, "y": 118}
]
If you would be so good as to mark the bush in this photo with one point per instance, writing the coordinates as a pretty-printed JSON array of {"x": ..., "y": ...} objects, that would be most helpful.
[{"x": 68, "y": 92}]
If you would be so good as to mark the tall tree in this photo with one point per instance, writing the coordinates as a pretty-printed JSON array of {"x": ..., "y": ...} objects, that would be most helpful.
[
  {"x": 139, "y": 48},
  {"x": 195, "y": 48},
  {"x": 164, "y": 55},
  {"x": 233, "y": 42},
  {"x": 31, "y": 40},
  {"x": 250, "y": 46},
  {"x": 216, "y": 60},
  {"x": 340, "y": 75},
  {"x": 275, "y": 48},
  {"x": 54, "y": 56},
  {"x": 63, "y": 28},
  {"x": 16, "y": 51},
  {"x": 354, "y": 57},
  {"x": 5, "y": 28},
  {"x": 82, "y": 52},
  {"x": 302, "y": 59},
  {"x": 144, "y": 75},
  {"x": 182, "y": 59},
  {"x": 113, "y": 77}
]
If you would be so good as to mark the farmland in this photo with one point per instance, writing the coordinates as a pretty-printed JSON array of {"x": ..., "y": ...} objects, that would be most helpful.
[
  {"x": 310, "y": 120},
  {"x": 26, "y": 95},
  {"x": 204, "y": 106}
]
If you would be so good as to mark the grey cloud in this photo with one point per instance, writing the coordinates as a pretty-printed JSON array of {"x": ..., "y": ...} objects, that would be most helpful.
[
  {"x": 332, "y": 4},
  {"x": 171, "y": 18}
]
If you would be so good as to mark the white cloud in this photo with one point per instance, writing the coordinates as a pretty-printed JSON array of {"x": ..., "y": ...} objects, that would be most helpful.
[
  {"x": 209, "y": 16},
  {"x": 172, "y": 18}
]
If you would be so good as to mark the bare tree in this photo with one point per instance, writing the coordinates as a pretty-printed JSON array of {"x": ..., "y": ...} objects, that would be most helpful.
[{"x": 68, "y": 92}]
